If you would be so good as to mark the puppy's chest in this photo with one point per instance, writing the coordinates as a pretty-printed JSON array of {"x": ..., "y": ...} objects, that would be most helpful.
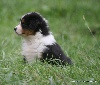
[{"x": 33, "y": 48}]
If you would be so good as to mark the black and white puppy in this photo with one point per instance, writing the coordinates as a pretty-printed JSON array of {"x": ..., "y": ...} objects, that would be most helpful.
[{"x": 38, "y": 41}]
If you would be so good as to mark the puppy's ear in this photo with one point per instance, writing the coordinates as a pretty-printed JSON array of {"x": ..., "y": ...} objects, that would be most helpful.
[
  {"x": 34, "y": 24},
  {"x": 37, "y": 22}
]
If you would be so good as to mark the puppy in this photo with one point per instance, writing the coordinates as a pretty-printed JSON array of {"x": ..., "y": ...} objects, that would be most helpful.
[{"x": 38, "y": 41}]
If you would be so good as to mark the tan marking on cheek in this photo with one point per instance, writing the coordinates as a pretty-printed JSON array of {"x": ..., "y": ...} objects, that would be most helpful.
[{"x": 27, "y": 32}]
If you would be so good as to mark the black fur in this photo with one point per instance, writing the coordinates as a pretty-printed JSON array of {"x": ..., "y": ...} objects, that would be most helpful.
[
  {"x": 35, "y": 21},
  {"x": 55, "y": 55}
]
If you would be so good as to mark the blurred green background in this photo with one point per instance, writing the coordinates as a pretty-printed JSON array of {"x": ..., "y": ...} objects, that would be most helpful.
[{"x": 79, "y": 39}]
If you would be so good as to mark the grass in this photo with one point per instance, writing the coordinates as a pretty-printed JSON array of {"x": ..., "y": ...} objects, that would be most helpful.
[{"x": 79, "y": 38}]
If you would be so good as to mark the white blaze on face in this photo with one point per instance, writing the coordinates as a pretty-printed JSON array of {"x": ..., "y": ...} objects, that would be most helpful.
[{"x": 19, "y": 29}]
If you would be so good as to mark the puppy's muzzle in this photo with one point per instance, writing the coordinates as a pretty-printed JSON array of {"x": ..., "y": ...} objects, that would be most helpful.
[{"x": 15, "y": 28}]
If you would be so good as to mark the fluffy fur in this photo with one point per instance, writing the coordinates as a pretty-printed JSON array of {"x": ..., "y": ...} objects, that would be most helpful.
[{"x": 38, "y": 41}]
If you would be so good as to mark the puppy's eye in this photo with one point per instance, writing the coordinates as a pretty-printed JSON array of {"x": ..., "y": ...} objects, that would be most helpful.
[{"x": 24, "y": 25}]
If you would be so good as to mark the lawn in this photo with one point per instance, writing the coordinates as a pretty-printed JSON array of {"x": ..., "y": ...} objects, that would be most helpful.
[{"x": 76, "y": 27}]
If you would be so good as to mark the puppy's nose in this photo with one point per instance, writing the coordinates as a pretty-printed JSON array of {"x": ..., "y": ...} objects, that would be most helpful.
[{"x": 15, "y": 28}]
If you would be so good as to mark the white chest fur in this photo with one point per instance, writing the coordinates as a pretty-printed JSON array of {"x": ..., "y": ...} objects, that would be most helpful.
[{"x": 33, "y": 46}]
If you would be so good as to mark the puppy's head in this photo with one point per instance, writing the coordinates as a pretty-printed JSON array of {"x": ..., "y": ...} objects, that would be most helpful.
[{"x": 31, "y": 23}]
